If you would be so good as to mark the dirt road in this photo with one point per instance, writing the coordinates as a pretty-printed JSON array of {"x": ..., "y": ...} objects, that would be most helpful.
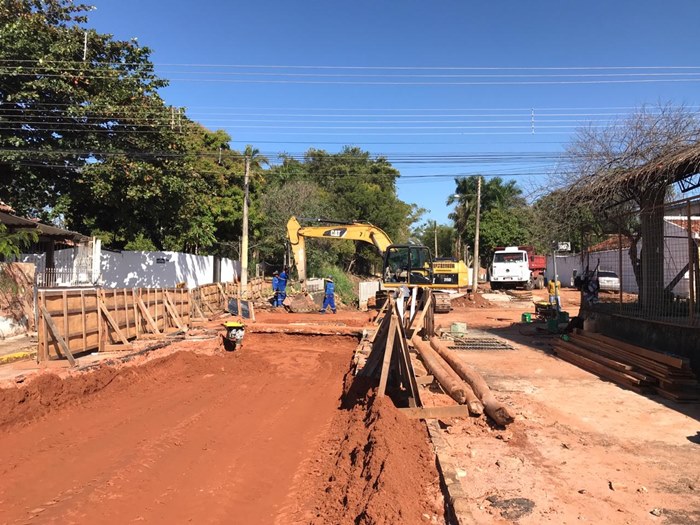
[
  {"x": 582, "y": 450},
  {"x": 187, "y": 438}
]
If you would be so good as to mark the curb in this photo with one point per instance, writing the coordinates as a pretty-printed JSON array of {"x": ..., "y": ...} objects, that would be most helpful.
[{"x": 456, "y": 497}]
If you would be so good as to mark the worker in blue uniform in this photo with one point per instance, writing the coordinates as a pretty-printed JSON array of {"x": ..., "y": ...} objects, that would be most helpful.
[
  {"x": 275, "y": 287},
  {"x": 329, "y": 298},
  {"x": 282, "y": 287}
]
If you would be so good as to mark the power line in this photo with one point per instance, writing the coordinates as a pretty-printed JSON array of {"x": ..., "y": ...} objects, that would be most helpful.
[{"x": 431, "y": 68}]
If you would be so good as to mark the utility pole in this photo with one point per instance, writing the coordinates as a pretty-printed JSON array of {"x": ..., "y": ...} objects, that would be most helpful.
[
  {"x": 475, "y": 276},
  {"x": 435, "y": 230},
  {"x": 244, "y": 244}
]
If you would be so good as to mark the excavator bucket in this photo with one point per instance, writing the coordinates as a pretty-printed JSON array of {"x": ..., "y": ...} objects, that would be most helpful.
[
  {"x": 300, "y": 303},
  {"x": 442, "y": 303}
]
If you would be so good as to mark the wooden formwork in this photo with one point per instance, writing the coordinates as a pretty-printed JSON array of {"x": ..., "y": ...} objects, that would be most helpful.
[
  {"x": 82, "y": 320},
  {"x": 75, "y": 321},
  {"x": 212, "y": 299}
]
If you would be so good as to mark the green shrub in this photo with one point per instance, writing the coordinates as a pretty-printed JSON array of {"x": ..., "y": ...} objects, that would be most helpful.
[{"x": 343, "y": 285}]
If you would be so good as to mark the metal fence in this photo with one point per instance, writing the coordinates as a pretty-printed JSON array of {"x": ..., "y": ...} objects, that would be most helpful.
[{"x": 649, "y": 268}]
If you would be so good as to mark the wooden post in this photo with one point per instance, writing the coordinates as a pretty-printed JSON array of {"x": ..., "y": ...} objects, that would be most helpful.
[
  {"x": 147, "y": 316},
  {"x": 101, "y": 307},
  {"x": 388, "y": 351},
  {"x": 692, "y": 251},
  {"x": 223, "y": 296},
  {"x": 66, "y": 329},
  {"x": 170, "y": 306},
  {"x": 44, "y": 332},
  {"x": 57, "y": 336},
  {"x": 619, "y": 240},
  {"x": 82, "y": 310}
]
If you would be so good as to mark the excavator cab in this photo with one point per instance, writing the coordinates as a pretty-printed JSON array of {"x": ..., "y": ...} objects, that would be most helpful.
[{"x": 406, "y": 265}]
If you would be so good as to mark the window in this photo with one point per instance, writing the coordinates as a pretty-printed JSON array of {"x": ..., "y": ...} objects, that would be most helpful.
[{"x": 505, "y": 257}]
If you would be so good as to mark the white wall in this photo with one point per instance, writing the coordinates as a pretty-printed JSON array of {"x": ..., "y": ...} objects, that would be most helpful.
[{"x": 161, "y": 269}]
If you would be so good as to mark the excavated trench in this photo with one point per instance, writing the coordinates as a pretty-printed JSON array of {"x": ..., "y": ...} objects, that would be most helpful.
[{"x": 257, "y": 436}]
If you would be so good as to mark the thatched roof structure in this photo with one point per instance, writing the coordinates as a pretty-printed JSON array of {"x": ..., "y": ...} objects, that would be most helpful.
[
  {"x": 609, "y": 186},
  {"x": 667, "y": 169}
]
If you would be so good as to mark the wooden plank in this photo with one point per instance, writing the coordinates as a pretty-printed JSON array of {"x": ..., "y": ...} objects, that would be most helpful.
[
  {"x": 676, "y": 362},
  {"x": 388, "y": 351},
  {"x": 147, "y": 316},
  {"x": 425, "y": 380},
  {"x": 223, "y": 296},
  {"x": 111, "y": 321},
  {"x": 652, "y": 367},
  {"x": 597, "y": 368},
  {"x": 171, "y": 308},
  {"x": 381, "y": 311},
  {"x": 251, "y": 309},
  {"x": 420, "y": 318},
  {"x": 84, "y": 319},
  {"x": 436, "y": 412},
  {"x": 408, "y": 374},
  {"x": 118, "y": 348},
  {"x": 66, "y": 329},
  {"x": 126, "y": 313},
  {"x": 198, "y": 310},
  {"x": 57, "y": 336},
  {"x": 43, "y": 354}
]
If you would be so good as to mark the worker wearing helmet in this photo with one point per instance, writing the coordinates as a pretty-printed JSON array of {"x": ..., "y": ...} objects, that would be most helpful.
[
  {"x": 275, "y": 287},
  {"x": 282, "y": 287},
  {"x": 329, "y": 298}
]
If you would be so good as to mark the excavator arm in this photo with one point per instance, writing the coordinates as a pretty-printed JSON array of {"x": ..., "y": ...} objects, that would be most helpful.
[{"x": 357, "y": 231}]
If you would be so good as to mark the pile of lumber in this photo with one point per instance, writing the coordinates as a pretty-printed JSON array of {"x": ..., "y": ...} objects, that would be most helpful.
[{"x": 632, "y": 366}]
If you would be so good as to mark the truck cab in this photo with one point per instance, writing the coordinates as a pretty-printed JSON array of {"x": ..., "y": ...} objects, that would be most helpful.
[{"x": 511, "y": 268}]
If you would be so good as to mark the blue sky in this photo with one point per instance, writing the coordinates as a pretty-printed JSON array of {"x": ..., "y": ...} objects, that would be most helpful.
[{"x": 416, "y": 116}]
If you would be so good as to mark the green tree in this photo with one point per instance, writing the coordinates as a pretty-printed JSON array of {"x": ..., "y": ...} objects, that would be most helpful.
[
  {"x": 61, "y": 112},
  {"x": 501, "y": 201},
  {"x": 12, "y": 243},
  {"x": 446, "y": 236}
]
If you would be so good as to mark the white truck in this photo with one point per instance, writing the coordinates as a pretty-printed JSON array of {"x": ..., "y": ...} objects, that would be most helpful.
[{"x": 517, "y": 266}]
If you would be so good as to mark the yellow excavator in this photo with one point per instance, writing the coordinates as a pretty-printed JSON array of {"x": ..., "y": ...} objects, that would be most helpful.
[{"x": 404, "y": 264}]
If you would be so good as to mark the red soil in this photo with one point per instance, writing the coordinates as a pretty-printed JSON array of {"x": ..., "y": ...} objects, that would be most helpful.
[
  {"x": 186, "y": 438},
  {"x": 471, "y": 301},
  {"x": 253, "y": 437},
  {"x": 379, "y": 470}
]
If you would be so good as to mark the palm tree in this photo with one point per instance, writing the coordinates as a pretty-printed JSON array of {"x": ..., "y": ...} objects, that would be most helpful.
[{"x": 257, "y": 160}]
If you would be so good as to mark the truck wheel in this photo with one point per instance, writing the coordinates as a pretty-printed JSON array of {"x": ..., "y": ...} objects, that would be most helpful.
[
  {"x": 539, "y": 282},
  {"x": 529, "y": 285},
  {"x": 495, "y": 286}
]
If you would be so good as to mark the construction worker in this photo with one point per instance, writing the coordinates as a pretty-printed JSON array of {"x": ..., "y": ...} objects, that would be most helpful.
[
  {"x": 282, "y": 287},
  {"x": 275, "y": 287},
  {"x": 329, "y": 299},
  {"x": 553, "y": 287}
]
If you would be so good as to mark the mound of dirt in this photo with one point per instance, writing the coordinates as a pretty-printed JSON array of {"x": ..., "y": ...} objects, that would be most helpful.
[
  {"x": 48, "y": 391},
  {"x": 471, "y": 301},
  {"x": 382, "y": 472}
]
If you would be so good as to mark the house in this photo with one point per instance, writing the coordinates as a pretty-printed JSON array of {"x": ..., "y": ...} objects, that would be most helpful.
[{"x": 52, "y": 245}]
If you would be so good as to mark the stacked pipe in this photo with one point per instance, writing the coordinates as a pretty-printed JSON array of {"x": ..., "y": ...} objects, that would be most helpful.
[{"x": 460, "y": 381}]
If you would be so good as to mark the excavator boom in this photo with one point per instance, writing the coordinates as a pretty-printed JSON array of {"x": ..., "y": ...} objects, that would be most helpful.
[{"x": 357, "y": 231}]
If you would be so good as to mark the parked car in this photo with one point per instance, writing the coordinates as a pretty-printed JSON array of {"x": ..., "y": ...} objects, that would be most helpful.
[{"x": 608, "y": 281}]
